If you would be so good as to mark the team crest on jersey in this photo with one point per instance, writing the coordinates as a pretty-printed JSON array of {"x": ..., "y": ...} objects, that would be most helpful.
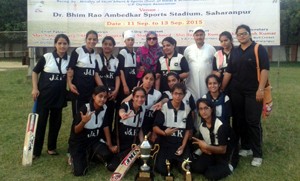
[
  {"x": 110, "y": 75},
  {"x": 165, "y": 73},
  {"x": 132, "y": 72},
  {"x": 130, "y": 132},
  {"x": 89, "y": 72},
  {"x": 149, "y": 113},
  {"x": 56, "y": 77},
  {"x": 178, "y": 133},
  {"x": 93, "y": 133}
]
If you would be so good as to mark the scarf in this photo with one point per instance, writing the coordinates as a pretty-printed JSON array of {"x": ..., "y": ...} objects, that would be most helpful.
[{"x": 148, "y": 56}]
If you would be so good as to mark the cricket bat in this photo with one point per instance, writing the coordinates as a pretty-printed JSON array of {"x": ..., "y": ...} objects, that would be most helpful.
[
  {"x": 125, "y": 165},
  {"x": 30, "y": 136}
]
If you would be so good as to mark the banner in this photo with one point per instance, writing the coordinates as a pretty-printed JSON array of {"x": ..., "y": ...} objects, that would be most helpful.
[{"x": 176, "y": 18}]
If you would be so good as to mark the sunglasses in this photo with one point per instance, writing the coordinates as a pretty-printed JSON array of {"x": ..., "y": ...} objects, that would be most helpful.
[{"x": 154, "y": 38}]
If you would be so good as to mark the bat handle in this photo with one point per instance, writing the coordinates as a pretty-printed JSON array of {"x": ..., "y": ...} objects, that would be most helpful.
[{"x": 34, "y": 107}]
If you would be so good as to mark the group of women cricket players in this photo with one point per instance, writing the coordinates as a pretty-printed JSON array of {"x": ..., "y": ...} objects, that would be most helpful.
[{"x": 118, "y": 99}]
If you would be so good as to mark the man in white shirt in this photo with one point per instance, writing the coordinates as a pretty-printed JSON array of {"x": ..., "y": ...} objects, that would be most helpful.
[{"x": 199, "y": 57}]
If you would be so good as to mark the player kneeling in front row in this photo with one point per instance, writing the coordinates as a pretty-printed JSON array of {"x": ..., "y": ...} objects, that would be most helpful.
[
  {"x": 173, "y": 124},
  {"x": 129, "y": 126},
  {"x": 89, "y": 129},
  {"x": 218, "y": 155}
]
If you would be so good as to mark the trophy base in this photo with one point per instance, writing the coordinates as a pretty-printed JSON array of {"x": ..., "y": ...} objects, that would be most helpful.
[
  {"x": 188, "y": 177},
  {"x": 169, "y": 178},
  {"x": 144, "y": 176}
]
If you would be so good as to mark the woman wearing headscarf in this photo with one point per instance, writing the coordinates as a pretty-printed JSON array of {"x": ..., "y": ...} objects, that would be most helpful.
[{"x": 148, "y": 55}]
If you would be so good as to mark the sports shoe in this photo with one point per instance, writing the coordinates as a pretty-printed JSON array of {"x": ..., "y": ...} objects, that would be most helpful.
[
  {"x": 245, "y": 153},
  {"x": 69, "y": 159},
  {"x": 230, "y": 167},
  {"x": 256, "y": 162}
]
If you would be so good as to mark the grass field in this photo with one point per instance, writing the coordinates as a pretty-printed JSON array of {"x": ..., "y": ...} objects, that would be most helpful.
[{"x": 281, "y": 135}]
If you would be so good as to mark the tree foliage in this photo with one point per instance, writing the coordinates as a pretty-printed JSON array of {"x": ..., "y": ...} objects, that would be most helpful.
[
  {"x": 290, "y": 21},
  {"x": 13, "y": 17}
]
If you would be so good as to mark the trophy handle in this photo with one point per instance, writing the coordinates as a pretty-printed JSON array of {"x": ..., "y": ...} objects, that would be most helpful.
[
  {"x": 155, "y": 149},
  {"x": 185, "y": 166}
]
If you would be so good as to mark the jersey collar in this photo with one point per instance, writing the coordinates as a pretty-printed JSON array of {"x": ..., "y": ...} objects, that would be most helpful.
[
  {"x": 170, "y": 106},
  {"x": 93, "y": 108},
  {"x": 130, "y": 103},
  {"x": 175, "y": 54},
  {"x": 86, "y": 50},
  {"x": 55, "y": 55},
  {"x": 127, "y": 50}
]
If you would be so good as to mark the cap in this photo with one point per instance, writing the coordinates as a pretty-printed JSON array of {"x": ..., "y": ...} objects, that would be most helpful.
[
  {"x": 198, "y": 29},
  {"x": 128, "y": 34}
]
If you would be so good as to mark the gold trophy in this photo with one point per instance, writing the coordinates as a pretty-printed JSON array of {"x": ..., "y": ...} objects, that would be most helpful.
[
  {"x": 169, "y": 177},
  {"x": 145, "y": 173},
  {"x": 186, "y": 167}
]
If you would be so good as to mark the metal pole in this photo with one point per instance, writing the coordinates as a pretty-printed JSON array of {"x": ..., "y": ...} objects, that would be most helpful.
[{"x": 32, "y": 61}]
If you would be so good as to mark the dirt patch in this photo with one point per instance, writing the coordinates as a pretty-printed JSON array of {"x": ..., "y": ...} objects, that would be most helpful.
[{"x": 11, "y": 65}]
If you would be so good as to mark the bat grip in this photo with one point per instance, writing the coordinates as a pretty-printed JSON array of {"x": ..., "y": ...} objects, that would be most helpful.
[{"x": 34, "y": 107}]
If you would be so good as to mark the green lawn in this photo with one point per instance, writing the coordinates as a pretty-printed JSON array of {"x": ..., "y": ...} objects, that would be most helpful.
[{"x": 281, "y": 135}]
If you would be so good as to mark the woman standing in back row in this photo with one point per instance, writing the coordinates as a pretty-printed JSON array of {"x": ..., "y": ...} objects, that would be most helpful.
[
  {"x": 147, "y": 56},
  {"x": 171, "y": 61},
  {"x": 221, "y": 57},
  {"x": 83, "y": 72},
  {"x": 247, "y": 93},
  {"x": 49, "y": 90},
  {"x": 127, "y": 64},
  {"x": 110, "y": 75}
]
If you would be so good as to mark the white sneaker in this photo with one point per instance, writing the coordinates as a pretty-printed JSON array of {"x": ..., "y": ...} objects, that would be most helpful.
[
  {"x": 69, "y": 159},
  {"x": 256, "y": 162},
  {"x": 245, "y": 153},
  {"x": 230, "y": 167}
]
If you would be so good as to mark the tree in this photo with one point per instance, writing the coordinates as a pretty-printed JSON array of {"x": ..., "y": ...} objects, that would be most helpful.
[
  {"x": 13, "y": 17},
  {"x": 290, "y": 27},
  {"x": 290, "y": 21}
]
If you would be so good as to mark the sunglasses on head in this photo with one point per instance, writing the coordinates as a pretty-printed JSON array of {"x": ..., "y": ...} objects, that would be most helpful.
[{"x": 154, "y": 38}]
